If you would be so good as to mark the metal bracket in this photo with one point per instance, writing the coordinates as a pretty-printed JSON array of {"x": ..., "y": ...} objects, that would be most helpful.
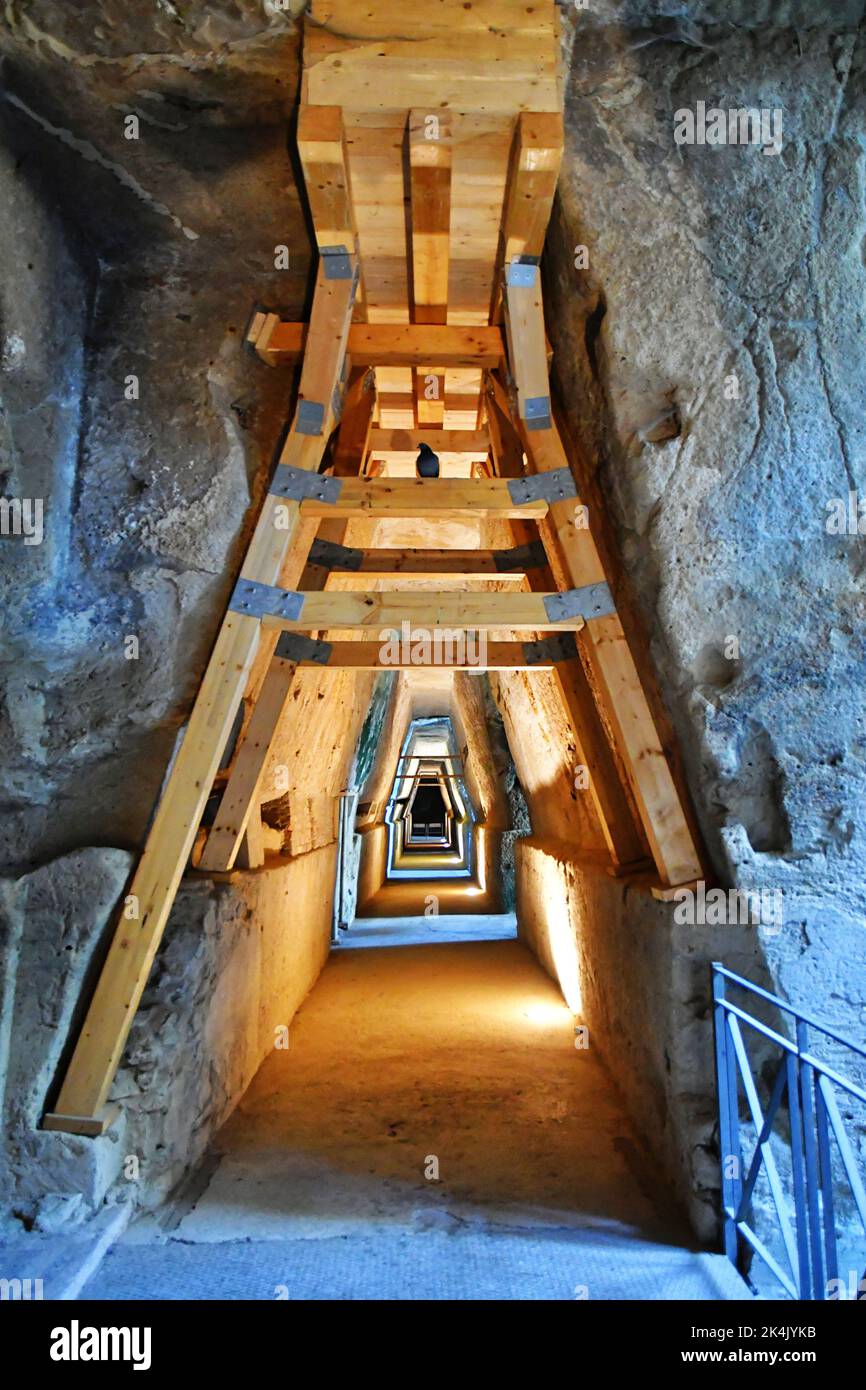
[
  {"x": 310, "y": 418},
  {"x": 333, "y": 556},
  {"x": 537, "y": 414},
  {"x": 557, "y": 485},
  {"x": 521, "y": 557},
  {"x": 522, "y": 271},
  {"x": 294, "y": 646},
  {"x": 336, "y": 262},
  {"x": 299, "y": 484},
  {"x": 591, "y": 601},
  {"x": 257, "y": 600},
  {"x": 560, "y": 646}
]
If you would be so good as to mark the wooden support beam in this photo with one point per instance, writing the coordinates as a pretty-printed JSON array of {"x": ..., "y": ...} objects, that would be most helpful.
[
  {"x": 350, "y": 449},
  {"x": 527, "y": 343},
  {"x": 321, "y": 141},
  {"x": 575, "y": 560},
  {"x": 475, "y": 656},
  {"x": 535, "y": 161},
  {"x": 251, "y": 854},
  {"x": 321, "y": 146},
  {"x": 440, "y": 441},
  {"x": 430, "y": 205},
  {"x": 625, "y": 844},
  {"x": 242, "y": 795},
  {"x": 385, "y": 344},
  {"x": 443, "y": 499},
  {"x": 100, "y": 1045},
  {"x": 504, "y": 439},
  {"x": 427, "y": 564},
  {"x": 429, "y": 397},
  {"x": 357, "y": 609}
]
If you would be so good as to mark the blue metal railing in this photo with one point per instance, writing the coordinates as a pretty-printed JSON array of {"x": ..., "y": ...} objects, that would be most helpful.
[{"x": 805, "y": 1204}]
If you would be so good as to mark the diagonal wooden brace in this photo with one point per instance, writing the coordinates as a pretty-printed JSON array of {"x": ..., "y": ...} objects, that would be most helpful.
[
  {"x": 100, "y": 1045},
  {"x": 576, "y": 562}
]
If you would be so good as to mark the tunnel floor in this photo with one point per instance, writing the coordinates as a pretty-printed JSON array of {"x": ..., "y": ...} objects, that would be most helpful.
[{"x": 454, "y": 1058}]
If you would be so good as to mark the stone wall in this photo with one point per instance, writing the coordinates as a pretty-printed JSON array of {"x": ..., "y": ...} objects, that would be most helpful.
[
  {"x": 709, "y": 359},
  {"x": 131, "y": 258},
  {"x": 641, "y": 984},
  {"x": 237, "y": 960}
]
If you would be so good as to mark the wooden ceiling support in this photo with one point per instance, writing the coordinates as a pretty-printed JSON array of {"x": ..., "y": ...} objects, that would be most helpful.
[
  {"x": 430, "y": 208},
  {"x": 574, "y": 555},
  {"x": 428, "y": 178},
  {"x": 94, "y": 1062},
  {"x": 430, "y": 347},
  {"x": 389, "y": 608}
]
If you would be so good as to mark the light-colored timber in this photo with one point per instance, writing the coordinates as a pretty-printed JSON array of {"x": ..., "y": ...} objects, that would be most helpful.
[
  {"x": 151, "y": 893},
  {"x": 430, "y": 140},
  {"x": 389, "y": 609}
]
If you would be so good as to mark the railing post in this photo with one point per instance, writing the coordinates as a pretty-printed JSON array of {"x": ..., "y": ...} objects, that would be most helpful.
[
  {"x": 810, "y": 1149},
  {"x": 730, "y": 1156},
  {"x": 798, "y": 1175}
]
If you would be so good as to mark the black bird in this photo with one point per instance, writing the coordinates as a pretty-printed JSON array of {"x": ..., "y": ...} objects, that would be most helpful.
[{"x": 427, "y": 463}]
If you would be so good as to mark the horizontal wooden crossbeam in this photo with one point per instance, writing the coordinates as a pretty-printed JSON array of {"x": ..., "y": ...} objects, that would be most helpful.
[
  {"x": 409, "y": 655},
  {"x": 333, "y": 609},
  {"x": 442, "y": 499},
  {"x": 440, "y": 441},
  {"x": 384, "y": 344},
  {"x": 501, "y": 563}
]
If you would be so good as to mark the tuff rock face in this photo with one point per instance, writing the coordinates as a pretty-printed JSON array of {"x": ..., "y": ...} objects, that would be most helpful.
[
  {"x": 709, "y": 308},
  {"x": 709, "y": 358},
  {"x": 133, "y": 253}
]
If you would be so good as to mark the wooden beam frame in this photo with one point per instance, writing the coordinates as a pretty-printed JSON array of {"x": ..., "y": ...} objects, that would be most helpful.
[
  {"x": 321, "y": 146},
  {"x": 390, "y": 608},
  {"x": 242, "y": 794},
  {"x": 427, "y": 564},
  {"x": 535, "y": 162},
  {"x": 440, "y": 441},
  {"x": 321, "y": 142},
  {"x": 350, "y": 450},
  {"x": 492, "y": 656},
  {"x": 151, "y": 894},
  {"x": 426, "y": 346},
  {"x": 575, "y": 560},
  {"x": 430, "y": 205},
  {"x": 444, "y": 499}
]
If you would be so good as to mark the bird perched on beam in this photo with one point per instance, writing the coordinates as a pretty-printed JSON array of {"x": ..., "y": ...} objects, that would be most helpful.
[{"x": 427, "y": 463}]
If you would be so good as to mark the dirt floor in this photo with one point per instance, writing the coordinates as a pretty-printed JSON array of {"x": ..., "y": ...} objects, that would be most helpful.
[
  {"x": 431, "y": 1132},
  {"x": 431, "y": 1083}
]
